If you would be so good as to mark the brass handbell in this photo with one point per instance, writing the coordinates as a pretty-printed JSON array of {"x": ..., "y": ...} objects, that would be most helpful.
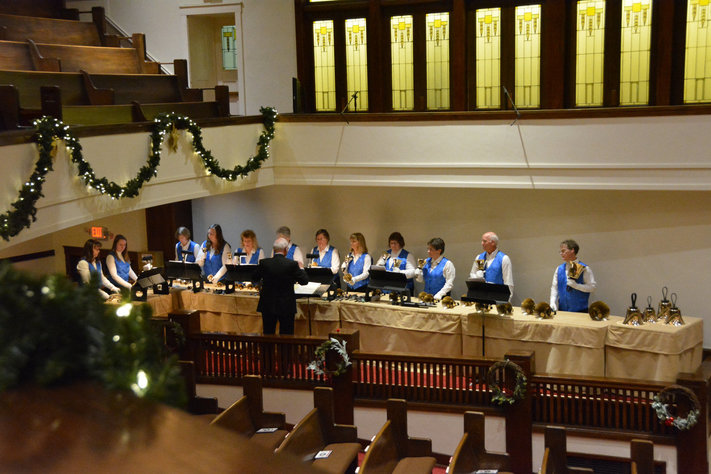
[
  {"x": 421, "y": 263},
  {"x": 480, "y": 264},
  {"x": 385, "y": 255},
  {"x": 396, "y": 263},
  {"x": 664, "y": 305},
  {"x": 650, "y": 316},
  {"x": 575, "y": 270},
  {"x": 348, "y": 278},
  {"x": 633, "y": 316},
  {"x": 674, "y": 317}
]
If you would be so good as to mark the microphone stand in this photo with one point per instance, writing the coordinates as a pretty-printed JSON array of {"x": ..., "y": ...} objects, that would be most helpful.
[
  {"x": 518, "y": 114},
  {"x": 354, "y": 96}
]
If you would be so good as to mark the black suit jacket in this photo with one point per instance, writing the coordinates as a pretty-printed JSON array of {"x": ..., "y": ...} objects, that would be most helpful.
[{"x": 277, "y": 276}]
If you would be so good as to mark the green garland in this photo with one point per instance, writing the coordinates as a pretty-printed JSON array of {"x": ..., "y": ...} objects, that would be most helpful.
[
  {"x": 504, "y": 396},
  {"x": 661, "y": 407},
  {"x": 49, "y": 130},
  {"x": 54, "y": 332},
  {"x": 318, "y": 365}
]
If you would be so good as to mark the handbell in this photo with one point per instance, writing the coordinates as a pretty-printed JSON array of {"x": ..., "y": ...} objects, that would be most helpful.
[
  {"x": 664, "y": 305},
  {"x": 480, "y": 264},
  {"x": 348, "y": 278},
  {"x": 396, "y": 263},
  {"x": 575, "y": 270},
  {"x": 385, "y": 255},
  {"x": 633, "y": 316},
  {"x": 650, "y": 316},
  {"x": 674, "y": 317},
  {"x": 421, "y": 263}
]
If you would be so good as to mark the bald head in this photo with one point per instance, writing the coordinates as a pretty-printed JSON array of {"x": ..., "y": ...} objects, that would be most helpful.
[{"x": 489, "y": 242}]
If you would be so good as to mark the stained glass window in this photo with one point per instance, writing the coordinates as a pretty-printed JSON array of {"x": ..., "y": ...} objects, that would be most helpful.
[
  {"x": 488, "y": 58},
  {"x": 401, "y": 42},
  {"x": 437, "y": 47},
  {"x": 697, "y": 67},
  {"x": 636, "y": 37},
  {"x": 357, "y": 64},
  {"x": 528, "y": 56},
  {"x": 590, "y": 44},
  {"x": 324, "y": 66}
]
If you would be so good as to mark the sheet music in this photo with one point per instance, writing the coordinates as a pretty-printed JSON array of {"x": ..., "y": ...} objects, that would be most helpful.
[{"x": 309, "y": 289}]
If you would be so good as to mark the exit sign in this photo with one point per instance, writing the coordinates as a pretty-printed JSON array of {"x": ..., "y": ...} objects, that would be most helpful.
[{"x": 101, "y": 233}]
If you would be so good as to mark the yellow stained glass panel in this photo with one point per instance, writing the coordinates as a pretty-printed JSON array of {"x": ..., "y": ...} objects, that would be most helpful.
[
  {"x": 437, "y": 46},
  {"x": 401, "y": 48},
  {"x": 324, "y": 66},
  {"x": 357, "y": 64},
  {"x": 636, "y": 38},
  {"x": 528, "y": 56},
  {"x": 590, "y": 52},
  {"x": 697, "y": 67},
  {"x": 488, "y": 58}
]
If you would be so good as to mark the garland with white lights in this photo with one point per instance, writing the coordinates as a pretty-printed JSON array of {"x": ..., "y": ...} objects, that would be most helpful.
[
  {"x": 50, "y": 130},
  {"x": 55, "y": 332}
]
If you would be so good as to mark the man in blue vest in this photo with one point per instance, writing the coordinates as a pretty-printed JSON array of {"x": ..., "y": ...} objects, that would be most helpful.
[
  {"x": 573, "y": 281},
  {"x": 293, "y": 252},
  {"x": 497, "y": 265}
]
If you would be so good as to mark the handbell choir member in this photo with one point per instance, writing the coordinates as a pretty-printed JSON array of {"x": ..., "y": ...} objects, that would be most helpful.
[
  {"x": 119, "y": 265},
  {"x": 186, "y": 250},
  {"x": 397, "y": 254},
  {"x": 90, "y": 267},
  {"x": 437, "y": 272},
  {"x": 356, "y": 268},
  {"x": 215, "y": 252}
]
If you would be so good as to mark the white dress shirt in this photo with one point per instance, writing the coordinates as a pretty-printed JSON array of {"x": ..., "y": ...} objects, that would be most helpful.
[
  {"x": 85, "y": 274},
  {"x": 298, "y": 256},
  {"x": 111, "y": 267},
  {"x": 588, "y": 285},
  {"x": 226, "y": 250},
  {"x": 185, "y": 248},
  {"x": 247, "y": 257},
  {"x": 335, "y": 258},
  {"x": 506, "y": 271},
  {"x": 410, "y": 266}
]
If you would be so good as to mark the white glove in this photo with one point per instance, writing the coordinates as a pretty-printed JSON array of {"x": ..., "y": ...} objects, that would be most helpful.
[{"x": 571, "y": 283}]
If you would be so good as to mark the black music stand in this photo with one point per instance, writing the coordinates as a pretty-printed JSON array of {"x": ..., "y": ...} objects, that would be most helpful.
[
  {"x": 177, "y": 270},
  {"x": 238, "y": 274},
  {"x": 487, "y": 293},
  {"x": 394, "y": 282},
  {"x": 149, "y": 279},
  {"x": 325, "y": 277}
]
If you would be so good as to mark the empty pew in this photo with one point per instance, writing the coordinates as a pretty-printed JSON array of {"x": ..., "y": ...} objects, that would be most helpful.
[
  {"x": 471, "y": 455},
  {"x": 42, "y": 8},
  {"x": 393, "y": 451},
  {"x": 196, "y": 405},
  {"x": 317, "y": 432},
  {"x": 15, "y": 55},
  {"x": 555, "y": 456},
  {"x": 642, "y": 457},
  {"x": 96, "y": 59},
  {"x": 49, "y": 30},
  {"x": 247, "y": 416}
]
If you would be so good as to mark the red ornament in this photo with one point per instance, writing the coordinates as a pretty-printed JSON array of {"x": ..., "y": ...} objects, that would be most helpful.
[
  {"x": 669, "y": 421},
  {"x": 338, "y": 329}
]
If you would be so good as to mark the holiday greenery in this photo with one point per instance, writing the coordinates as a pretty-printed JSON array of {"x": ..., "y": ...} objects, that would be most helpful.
[
  {"x": 319, "y": 366},
  {"x": 166, "y": 126},
  {"x": 503, "y": 396},
  {"x": 53, "y": 332},
  {"x": 662, "y": 401}
]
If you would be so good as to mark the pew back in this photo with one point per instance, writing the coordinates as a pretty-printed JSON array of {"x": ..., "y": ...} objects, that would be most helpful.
[
  {"x": 28, "y": 84},
  {"x": 94, "y": 59},
  {"x": 142, "y": 88},
  {"x": 15, "y": 55},
  {"x": 48, "y": 30},
  {"x": 471, "y": 454}
]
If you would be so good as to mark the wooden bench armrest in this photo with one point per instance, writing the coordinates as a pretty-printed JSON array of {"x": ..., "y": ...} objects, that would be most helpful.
[
  {"x": 96, "y": 96},
  {"x": 40, "y": 62},
  {"x": 417, "y": 447},
  {"x": 343, "y": 434},
  {"x": 272, "y": 420},
  {"x": 202, "y": 406}
]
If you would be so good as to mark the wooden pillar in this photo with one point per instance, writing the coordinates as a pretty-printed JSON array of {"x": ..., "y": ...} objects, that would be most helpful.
[
  {"x": 553, "y": 56},
  {"x": 458, "y": 42},
  {"x": 519, "y": 417},
  {"x": 163, "y": 221},
  {"x": 343, "y": 387},
  {"x": 189, "y": 322},
  {"x": 692, "y": 444}
]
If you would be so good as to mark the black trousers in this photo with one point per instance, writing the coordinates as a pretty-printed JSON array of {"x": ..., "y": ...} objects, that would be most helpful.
[{"x": 269, "y": 323}]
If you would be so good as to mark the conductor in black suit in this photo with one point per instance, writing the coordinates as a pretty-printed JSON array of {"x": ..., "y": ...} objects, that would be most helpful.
[{"x": 277, "y": 301}]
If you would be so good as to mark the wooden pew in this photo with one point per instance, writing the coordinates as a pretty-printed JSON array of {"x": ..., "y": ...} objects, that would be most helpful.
[
  {"x": 15, "y": 55},
  {"x": 642, "y": 457},
  {"x": 555, "y": 457},
  {"x": 196, "y": 405},
  {"x": 247, "y": 416},
  {"x": 471, "y": 455},
  {"x": 393, "y": 451},
  {"x": 94, "y": 59},
  {"x": 42, "y": 8},
  {"x": 318, "y": 432},
  {"x": 49, "y": 30}
]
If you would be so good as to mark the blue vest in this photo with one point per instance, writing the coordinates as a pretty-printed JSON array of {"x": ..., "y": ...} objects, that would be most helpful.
[
  {"x": 212, "y": 264},
  {"x": 493, "y": 273},
  {"x": 326, "y": 261},
  {"x": 122, "y": 269},
  {"x": 403, "y": 265},
  {"x": 570, "y": 299},
  {"x": 434, "y": 277},
  {"x": 290, "y": 252},
  {"x": 189, "y": 254},
  {"x": 254, "y": 260},
  {"x": 93, "y": 270},
  {"x": 355, "y": 268}
]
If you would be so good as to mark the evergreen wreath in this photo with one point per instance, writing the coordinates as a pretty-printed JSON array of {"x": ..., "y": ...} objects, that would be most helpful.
[
  {"x": 670, "y": 394},
  {"x": 504, "y": 396},
  {"x": 318, "y": 365},
  {"x": 49, "y": 131},
  {"x": 55, "y": 332}
]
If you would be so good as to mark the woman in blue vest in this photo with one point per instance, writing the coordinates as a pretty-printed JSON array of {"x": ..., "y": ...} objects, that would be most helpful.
[
  {"x": 437, "y": 272},
  {"x": 356, "y": 268},
  {"x": 253, "y": 253},
  {"x": 215, "y": 252},
  {"x": 571, "y": 293},
  {"x": 327, "y": 255},
  {"x": 119, "y": 265},
  {"x": 90, "y": 267},
  {"x": 406, "y": 261},
  {"x": 185, "y": 250}
]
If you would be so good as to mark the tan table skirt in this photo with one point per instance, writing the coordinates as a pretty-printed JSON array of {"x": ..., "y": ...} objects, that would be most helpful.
[{"x": 385, "y": 328}]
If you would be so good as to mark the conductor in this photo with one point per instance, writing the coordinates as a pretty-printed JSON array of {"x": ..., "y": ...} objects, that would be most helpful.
[{"x": 277, "y": 276}]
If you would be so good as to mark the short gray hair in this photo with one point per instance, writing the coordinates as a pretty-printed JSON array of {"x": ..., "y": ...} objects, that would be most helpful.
[
  {"x": 280, "y": 245},
  {"x": 284, "y": 230},
  {"x": 493, "y": 237}
]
